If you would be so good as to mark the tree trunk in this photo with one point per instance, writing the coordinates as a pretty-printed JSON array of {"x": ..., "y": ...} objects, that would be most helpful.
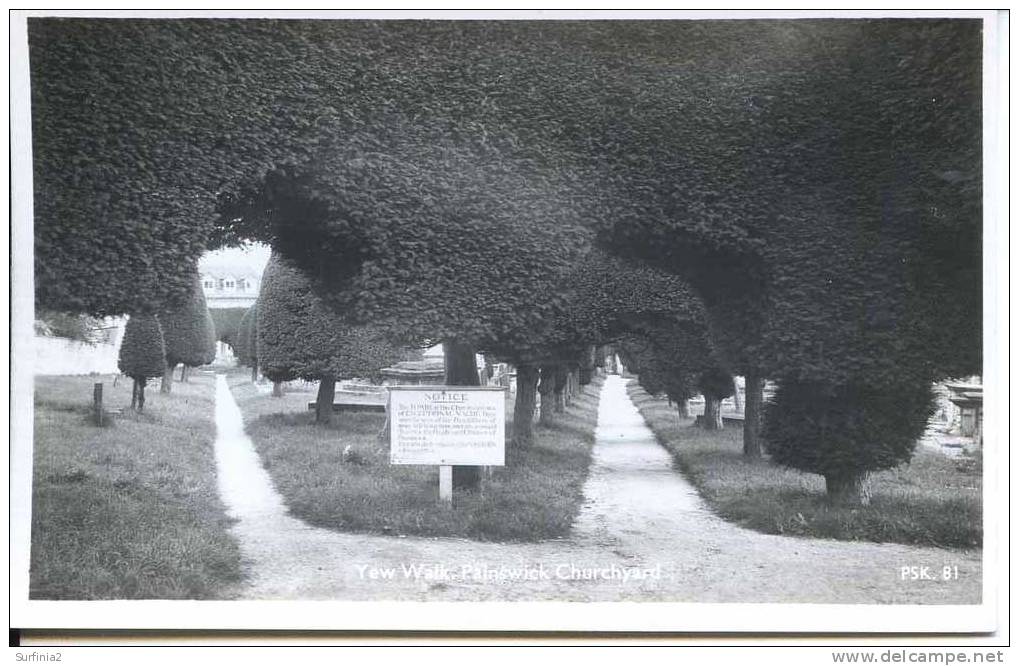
[
  {"x": 561, "y": 378},
  {"x": 546, "y": 387},
  {"x": 848, "y": 489},
  {"x": 683, "y": 407},
  {"x": 460, "y": 365},
  {"x": 461, "y": 369},
  {"x": 754, "y": 411},
  {"x": 167, "y": 383},
  {"x": 141, "y": 394},
  {"x": 134, "y": 395},
  {"x": 523, "y": 407},
  {"x": 183, "y": 372},
  {"x": 277, "y": 389},
  {"x": 737, "y": 402},
  {"x": 324, "y": 400},
  {"x": 585, "y": 375},
  {"x": 712, "y": 414}
]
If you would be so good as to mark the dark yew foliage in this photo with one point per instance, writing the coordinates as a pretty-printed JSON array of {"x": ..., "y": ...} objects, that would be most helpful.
[
  {"x": 211, "y": 338},
  {"x": 658, "y": 374},
  {"x": 247, "y": 338},
  {"x": 826, "y": 202},
  {"x": 227, "y": 323},
  {"x": 188, "y": 330},
  {"x": 715, "y": 383},
  {"x": 817, "y": 181},
  {"x": 124, "y": 170},
  {"x": 142, "y": 354},
  {"x": 142, "y": 351},
  {"x": 298, "y": 337}
]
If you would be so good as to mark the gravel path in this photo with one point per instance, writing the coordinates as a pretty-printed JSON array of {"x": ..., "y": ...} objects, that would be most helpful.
[{"x": 643, "y": 534}]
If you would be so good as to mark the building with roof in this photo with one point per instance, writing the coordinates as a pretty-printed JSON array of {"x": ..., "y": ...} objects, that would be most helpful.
[
  {"x": 230, "y": 289},
  {"x": 232, "y": 277}
]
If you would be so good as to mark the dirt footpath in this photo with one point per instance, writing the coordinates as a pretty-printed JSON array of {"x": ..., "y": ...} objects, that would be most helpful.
[{"x": 643, "y": 534}]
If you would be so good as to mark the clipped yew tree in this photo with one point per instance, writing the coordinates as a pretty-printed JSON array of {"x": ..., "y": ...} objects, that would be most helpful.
[
  {"x": 598, "y": 300},
  {"x": 678, "y": 360},
  {"x": 211, "y": 338},
  {"x": 189, "y": 334},
  {"x": 142, "y": 355},
  {"x": 242, "y": 350},
  {"x": 715, "y": 384},
  {"x": 298, "y": 337},
  {"x": 657, "y": 373},
  {"x": 247, "y": 340},
  {"x": 227, "y": 324},
  {"x": 844, "y": 432}
]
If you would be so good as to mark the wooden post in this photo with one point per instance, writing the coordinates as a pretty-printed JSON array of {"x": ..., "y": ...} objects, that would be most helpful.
[
  {"x": 446, "y": 484},
  {"x": 97, "y": 402}
]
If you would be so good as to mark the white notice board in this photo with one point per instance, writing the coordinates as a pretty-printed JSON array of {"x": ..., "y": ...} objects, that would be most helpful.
[{"x": 447, "y": 425}]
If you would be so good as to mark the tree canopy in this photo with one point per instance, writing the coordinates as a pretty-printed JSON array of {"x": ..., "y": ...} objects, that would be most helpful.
[
  {"x": 142, "y": 353},
  {"x": 821, "y": 190},
  {"x": 817, "y": 182},
  {"x": 298, "y": 337},
  {"x": 247, "y": 338},
  {"x": 227, "y": 324},
  {"x": 189, "y": 331}
]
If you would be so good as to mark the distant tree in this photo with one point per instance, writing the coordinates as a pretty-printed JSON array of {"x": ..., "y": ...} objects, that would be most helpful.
[
  {"x": 298, "y": 337},
  {"x": 247, "y": 340},
  {"x": 210, "y": 340},
  {"x": 142, "y": 355},
  {"x": 679, "y": 362},
  {"x": 242, "y": 341},
  {"x": 658, "y": 373},
  {"x": 715, "y": 385},
  {"x": 227, "y": 323},
  {"x": 189, "y": 334}
]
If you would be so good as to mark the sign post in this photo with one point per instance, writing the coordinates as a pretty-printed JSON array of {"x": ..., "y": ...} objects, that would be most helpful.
[
  {"x": 97, "y": 403},
  {"x": 446, "y": 483},
  {"x": 446, "y": 426}
]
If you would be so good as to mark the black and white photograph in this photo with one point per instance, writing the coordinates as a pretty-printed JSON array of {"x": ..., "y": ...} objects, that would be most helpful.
[{"x": 505, "y": 321}]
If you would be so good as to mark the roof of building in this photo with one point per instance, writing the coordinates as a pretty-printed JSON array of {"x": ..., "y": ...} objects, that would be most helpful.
[{"x": 235, "y": 262}]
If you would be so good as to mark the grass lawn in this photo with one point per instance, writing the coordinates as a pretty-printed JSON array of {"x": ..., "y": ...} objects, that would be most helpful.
[
  {"x": 128, "y": 511},
  {"x": 534, "y": 497},
  {"x": 933, "y": 500}
]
